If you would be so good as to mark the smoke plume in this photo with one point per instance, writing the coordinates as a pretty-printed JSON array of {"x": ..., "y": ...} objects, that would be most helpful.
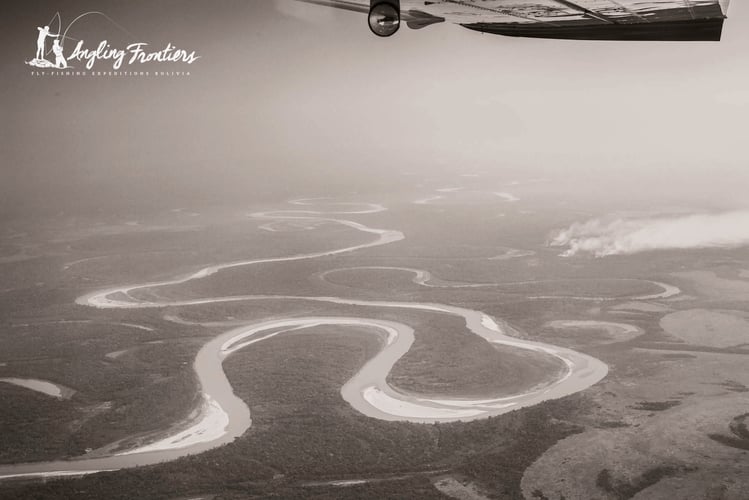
[{"x": 623, "y": 236}]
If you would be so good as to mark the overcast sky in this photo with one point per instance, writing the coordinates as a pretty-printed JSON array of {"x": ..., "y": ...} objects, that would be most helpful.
[{"x": 289, "y": 97}]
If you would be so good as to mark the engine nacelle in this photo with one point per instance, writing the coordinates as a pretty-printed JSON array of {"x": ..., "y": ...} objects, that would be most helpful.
[{"x": 384, "y": 17}]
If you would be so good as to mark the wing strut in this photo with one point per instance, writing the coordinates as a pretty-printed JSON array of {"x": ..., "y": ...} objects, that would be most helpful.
[{"x": 690, "y": 7}]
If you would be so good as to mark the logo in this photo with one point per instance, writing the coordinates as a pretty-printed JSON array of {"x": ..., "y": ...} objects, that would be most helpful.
[{"x": 68, "y": 50}]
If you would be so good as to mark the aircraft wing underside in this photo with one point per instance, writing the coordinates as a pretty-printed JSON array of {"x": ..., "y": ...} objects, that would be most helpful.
[
  {"x": 599, "y": 19},
  {"x": 571, "y": 19}
]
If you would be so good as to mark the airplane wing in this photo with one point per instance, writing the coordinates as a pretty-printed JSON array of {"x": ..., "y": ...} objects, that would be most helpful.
[{"x": 657, "y": 20}]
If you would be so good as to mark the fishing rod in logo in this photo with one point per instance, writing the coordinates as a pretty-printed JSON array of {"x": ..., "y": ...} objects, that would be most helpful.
[
  {"x": 58, "y": 41},
  {"x": 103, "y": 51}
]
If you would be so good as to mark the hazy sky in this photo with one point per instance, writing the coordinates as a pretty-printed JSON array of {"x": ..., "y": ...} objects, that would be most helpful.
[{"x": 290, "y": 97}]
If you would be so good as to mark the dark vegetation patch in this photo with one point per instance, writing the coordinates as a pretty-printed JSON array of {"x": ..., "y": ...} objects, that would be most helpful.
[
  {"x": 139, "y": 393},
  {"x": 738, "y": 426},
  {"x": 734, "y": 386},
  {"x": 539, "y": 494},
  {"x": 613, "y": 424},
  {"x": 446, "y": 358},
  {"x": 740, "y": 438},
  {"x": 303, "y": 430},
  {"x": 678, "y": 355},
  {"x": 622, "y": 490},
  {"x": 33, "y": 425},
  {"x": 733, "y": 442},
  {"x": 656, "y": 405}
]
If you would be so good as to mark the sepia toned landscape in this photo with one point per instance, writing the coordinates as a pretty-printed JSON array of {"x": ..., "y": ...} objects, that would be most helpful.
[
  {"x": 276, "y": 250},
  {"x": 353, "y": 363}
]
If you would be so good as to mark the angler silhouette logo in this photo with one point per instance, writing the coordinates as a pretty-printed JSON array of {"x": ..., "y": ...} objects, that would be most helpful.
[
  {"x": 40, "y": 60},
  {"x": 134, "y": 53}
]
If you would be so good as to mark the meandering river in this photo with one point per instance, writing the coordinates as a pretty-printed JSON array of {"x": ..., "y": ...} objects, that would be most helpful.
[{"x": 223, "y": 417}]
